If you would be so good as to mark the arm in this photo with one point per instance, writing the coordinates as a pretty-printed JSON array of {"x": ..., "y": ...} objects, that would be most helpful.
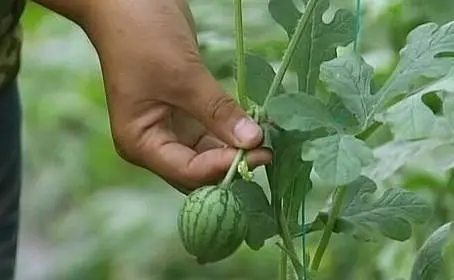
[{"x": 167, "y": 113}]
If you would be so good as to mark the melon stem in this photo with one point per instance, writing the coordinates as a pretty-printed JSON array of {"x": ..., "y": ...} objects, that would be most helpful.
[{"x": 227, "y": 182}]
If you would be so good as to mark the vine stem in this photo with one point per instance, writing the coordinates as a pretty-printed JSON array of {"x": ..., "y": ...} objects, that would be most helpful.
[
  {"x": 300, "y": 27},
  {"x": 357, "y": 25},
  {"x": 241, "y": 85},
  {"x": 303, "y": 238},
  {"x": 327, "y": 232},
  {"x": 288, "y": 243},
  {"x": 283, "y": 264},
  {"x": 241, "y": 68},
  {"x": 240, "y": 56}
]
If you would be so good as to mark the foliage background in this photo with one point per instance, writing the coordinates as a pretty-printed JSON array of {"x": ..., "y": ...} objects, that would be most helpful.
[{"x": 88, "y": 215}]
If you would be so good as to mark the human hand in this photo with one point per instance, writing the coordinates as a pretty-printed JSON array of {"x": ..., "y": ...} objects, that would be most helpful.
[{"x": 168, "y": 114}]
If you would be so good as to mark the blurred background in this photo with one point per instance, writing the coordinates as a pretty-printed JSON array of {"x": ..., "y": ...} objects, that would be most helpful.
[{"x": 87, "y": 215}]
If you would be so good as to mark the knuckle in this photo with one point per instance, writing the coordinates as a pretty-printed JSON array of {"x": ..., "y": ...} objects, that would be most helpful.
[{"x": 220, "y": 107}]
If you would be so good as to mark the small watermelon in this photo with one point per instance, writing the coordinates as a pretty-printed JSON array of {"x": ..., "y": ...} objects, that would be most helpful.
[{"x": 212, "y": 224}]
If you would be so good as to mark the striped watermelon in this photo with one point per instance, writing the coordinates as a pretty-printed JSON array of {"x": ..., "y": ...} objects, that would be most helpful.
[{"x": 212, "y": 224}]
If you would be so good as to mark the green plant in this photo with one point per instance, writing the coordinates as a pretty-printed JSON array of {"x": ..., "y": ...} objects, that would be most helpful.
[{"x": 320, "y": 131}]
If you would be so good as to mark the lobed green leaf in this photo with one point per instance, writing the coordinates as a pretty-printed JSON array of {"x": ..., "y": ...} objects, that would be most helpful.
[
  {"x": 261, "y": 222},
  {"x": 429, "y": 260},
  {"x": 260, "y": 76},
  {"x": 448, "y": 106},
  {"x": 296, "y": 192},
  {"x": 287, "y": 163},
  {"x": 338, "y": 159},
  {"x": 423, "y": 56},
  {"x": 390, "y": 215},
  {"x": 302, "y": 112},
  {"x": 350, "y": 78},
  {"x": 390, "y": 157},
  {"x": 319, "y": 41},
  {"x": 410, "y": 119}
]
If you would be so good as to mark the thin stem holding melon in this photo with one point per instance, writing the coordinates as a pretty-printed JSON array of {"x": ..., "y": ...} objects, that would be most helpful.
[{"x": 232, "y": 169}]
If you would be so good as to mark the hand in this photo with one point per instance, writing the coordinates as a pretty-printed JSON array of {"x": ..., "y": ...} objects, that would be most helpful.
[{"x": 168, "y": 114}]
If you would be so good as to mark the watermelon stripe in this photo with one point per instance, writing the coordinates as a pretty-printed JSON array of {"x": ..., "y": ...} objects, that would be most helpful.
[
  {"x": 206, "y": 193},
  {"x": 212, "y": 224},
  {"x": 213, "y": 245}
]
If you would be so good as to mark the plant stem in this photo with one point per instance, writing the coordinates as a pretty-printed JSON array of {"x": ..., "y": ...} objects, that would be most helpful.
[
  {"x": 300, "y": 27},
  {"x": 337, "y": 207},
  {"x": 232, "y": 169},
  {"x": 288, "y": 243},
  {"x": 241, "y": 86},
  {"x": 283, "y": 265},
  {"x": 357, "y": 25},
  {"x": 303, "y": 239},
  {"x": 240, "y": 56}
]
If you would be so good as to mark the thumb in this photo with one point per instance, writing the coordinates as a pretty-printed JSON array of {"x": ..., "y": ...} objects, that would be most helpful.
[{"x": 222, "y": 115}]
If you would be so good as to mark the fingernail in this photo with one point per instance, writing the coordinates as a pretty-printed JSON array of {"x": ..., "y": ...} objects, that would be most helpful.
[{"x": 247, "y": 131}]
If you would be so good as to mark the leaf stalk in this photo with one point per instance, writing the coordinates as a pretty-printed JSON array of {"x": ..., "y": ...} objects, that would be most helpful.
[
  {"x": 240, "y": 56},
  {"x": 293, "y": 45},
  {"x": 288, "y": 243},
  {"x": 327, "y": 232}
]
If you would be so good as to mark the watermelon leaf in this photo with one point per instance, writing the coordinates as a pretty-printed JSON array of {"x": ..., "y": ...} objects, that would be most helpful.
[
  {"x": 448, "y": 106},
  {"x": 261, "y": 222},
  {"x": 338, "y": 159},
  {"x": 390, "y": 215},
  {"x": 297, "y": 191},
  {"x": 390, "y": 157},
  {"x": 350, "y": 77},
  {"x": 300, "y": 111},
  {"x": 259, "y": 75},
  {"x": 286, "y": 160},
  {"x": 421, "y": 57},
  {"x": 410, "y": 119},
  {"x": 319, "y": 41},
  {"x": 429, "y": 260}
]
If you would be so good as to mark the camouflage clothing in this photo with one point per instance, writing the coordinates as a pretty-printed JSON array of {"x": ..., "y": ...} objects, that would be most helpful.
[
  {"x": 10, "y": 39},
  {"x": 10, "y": 127}
]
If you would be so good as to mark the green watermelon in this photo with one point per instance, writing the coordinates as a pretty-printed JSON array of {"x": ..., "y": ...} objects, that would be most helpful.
[{"x": 212, "y": 224}]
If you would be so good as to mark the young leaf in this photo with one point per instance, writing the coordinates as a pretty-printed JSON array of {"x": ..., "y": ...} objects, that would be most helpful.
[
  {"x": 350, "y": 78},
  {"x": 302, "y": 112},
  {"x": 429, "y": 260},
  {"x": 410, "y": 119},
  {"x": 423, "y": 56},
  {"x": 338, "y": 159},
  {"x": 391, "y": 215},
  {"x": 261, "y": 222},
  {"x": 319, "y": 41}
]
